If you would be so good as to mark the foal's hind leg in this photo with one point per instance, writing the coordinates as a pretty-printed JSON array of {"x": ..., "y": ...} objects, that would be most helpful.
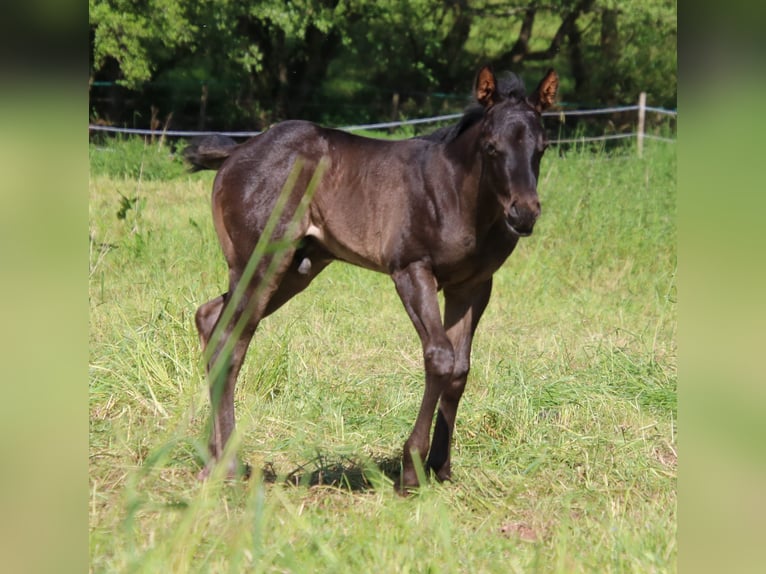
[
  {"x": 207, "y": 317},
  {"x": 222, "y": 389},
  {"x": 307, "y": 263},
  {"x": 292, "y": 276},
  {"x": 225, "y": 358}
]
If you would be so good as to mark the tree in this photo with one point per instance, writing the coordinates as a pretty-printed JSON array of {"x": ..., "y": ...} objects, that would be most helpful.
[
  {"x": 248, "y": 64},
  {"x": 138, "y": 41},
  {"x": 608, "y": 51},
  {"x": 260, "y": 59}
]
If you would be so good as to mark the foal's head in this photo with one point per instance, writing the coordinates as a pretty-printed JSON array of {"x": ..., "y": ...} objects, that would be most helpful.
[{"x": 512, "y": 142}]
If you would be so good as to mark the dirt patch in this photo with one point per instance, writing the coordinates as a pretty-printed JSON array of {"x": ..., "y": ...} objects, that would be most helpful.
[
  {"x": 666, "y": 456},
  {"x": 520, "y": 530}
]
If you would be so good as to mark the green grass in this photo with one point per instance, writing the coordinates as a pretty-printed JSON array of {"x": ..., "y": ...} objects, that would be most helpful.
[
  {"x": 565, "y": 445},
  {"x": 136, "y": 158}
]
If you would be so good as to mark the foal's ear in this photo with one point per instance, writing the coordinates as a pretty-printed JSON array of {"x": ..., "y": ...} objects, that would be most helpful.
[
  {"x": 545, "y": 93},
  {"x": 486, "y": 87}
]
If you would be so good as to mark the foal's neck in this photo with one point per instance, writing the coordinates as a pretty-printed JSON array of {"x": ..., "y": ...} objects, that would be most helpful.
[{"x": 475, "y": 196}]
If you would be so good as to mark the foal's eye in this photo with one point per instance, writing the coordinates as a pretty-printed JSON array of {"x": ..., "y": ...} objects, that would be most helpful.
[{"x": 491, "y": 149}]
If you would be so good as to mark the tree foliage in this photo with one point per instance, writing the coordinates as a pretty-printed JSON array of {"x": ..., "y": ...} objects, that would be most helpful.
[{"x": 232, "y": 63}]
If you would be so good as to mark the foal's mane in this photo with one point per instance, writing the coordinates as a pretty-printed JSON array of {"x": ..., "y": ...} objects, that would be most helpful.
[{"x": 509, "y": 88}]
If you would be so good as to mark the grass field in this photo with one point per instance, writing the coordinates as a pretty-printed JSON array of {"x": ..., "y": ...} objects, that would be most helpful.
[{"x": 565, "y": 444}]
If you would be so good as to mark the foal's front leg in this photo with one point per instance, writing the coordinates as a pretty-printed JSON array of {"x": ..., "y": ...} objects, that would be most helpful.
[
  {"x": 462, "y": 311},
  {"x": 417, "y": 289}
]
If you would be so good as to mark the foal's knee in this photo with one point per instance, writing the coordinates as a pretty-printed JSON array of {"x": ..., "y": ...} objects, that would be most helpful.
[
  {"x": 461, "y": 369},
  {"x": 440, "y": 360}
]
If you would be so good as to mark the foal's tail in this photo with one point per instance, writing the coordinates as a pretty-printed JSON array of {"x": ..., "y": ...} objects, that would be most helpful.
[{"x": 209, "y": 152}]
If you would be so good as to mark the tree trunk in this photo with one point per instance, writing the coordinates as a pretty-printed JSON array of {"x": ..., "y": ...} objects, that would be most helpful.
[
  {"x": 610, "y": 53},
  {"x": 454, "y": 43},
  {"x": 521, "y": 47}
]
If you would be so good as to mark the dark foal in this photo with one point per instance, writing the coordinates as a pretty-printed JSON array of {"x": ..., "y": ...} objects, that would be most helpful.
[{"x": 442, "y": 211}]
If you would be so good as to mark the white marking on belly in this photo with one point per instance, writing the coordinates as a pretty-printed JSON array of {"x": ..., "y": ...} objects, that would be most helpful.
[{"x": 315, "y": 231}]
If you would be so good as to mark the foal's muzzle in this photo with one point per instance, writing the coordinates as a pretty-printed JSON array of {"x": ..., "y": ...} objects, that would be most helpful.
[{"x": 521, "y": 216}]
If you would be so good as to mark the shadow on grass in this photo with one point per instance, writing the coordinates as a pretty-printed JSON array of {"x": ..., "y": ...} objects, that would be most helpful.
[{"x": 355, "y": 475}]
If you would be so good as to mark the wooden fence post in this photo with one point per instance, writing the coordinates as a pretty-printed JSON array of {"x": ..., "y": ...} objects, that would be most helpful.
[{"x": 641, "y": 118}]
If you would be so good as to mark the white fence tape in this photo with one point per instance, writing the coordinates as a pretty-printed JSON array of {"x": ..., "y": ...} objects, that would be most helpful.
[{"x": 435, "y": 119}]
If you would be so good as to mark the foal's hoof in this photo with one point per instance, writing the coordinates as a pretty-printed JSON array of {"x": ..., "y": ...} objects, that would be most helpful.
[
  {"x": 234, "y": 471},
  {"x": 203, "y": 474},
  {"x": 443, "y": 476},
  {"x": 405, "y": 490},
  {"x": 405, "y": 486}
]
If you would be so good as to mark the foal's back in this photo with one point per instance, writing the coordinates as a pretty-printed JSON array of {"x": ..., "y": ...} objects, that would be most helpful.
[{"x": 373, "y": 193}]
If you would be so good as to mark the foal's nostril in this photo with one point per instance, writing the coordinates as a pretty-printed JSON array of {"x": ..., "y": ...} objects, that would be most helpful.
[{"x": 513, "y": 212}]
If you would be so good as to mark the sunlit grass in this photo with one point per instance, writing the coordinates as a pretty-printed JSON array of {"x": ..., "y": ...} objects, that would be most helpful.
[{"x": 565, "y": 445}]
